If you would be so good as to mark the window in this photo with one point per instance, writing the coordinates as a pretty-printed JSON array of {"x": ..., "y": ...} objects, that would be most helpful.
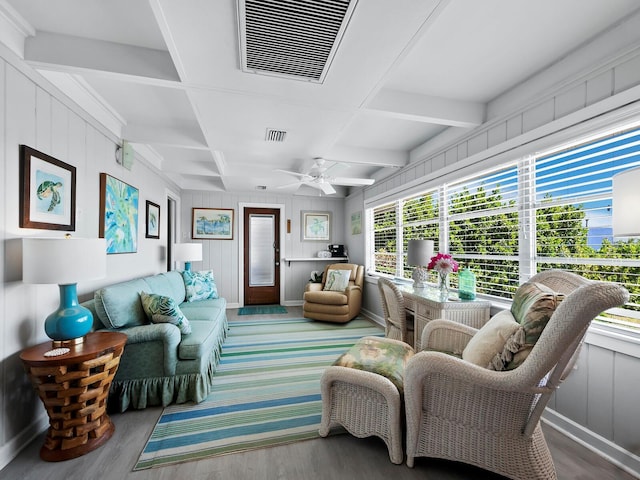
[{"x": 551, "y": 210}]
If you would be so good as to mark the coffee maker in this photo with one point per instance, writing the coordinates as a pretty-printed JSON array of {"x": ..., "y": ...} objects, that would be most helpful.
[{"x": 336, "y": 250}]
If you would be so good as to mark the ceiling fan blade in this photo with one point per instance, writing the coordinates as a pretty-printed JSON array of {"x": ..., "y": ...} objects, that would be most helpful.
[
  {"x": 287, "y": 185},
  {"x": 351, "y": 182},
  {"x": 306, "y": 176},
  {"x": 326, "y": 188}
]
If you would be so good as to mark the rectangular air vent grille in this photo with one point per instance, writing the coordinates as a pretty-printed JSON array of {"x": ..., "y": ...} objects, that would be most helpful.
[
  {"x": 275, "y": 135},
  {"x": 291, "y": 37}
]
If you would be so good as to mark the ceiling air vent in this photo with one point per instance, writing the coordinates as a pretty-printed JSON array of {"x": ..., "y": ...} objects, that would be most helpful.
[
  {"x": 293, "y": 38},
  {"x": 275, "y": 135}
]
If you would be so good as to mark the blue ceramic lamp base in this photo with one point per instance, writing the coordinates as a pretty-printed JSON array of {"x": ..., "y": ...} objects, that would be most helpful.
[{"x": 71, "y": 321}]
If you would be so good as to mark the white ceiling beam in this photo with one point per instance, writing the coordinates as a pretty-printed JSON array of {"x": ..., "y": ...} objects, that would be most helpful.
[
  {"x": 367, "y": 156},
  {"x": 14, "y": 29},
  {"x": 161, "y": 136},
  {"x": 81, "y": 55},
  {"x": 427, "y": 109}
]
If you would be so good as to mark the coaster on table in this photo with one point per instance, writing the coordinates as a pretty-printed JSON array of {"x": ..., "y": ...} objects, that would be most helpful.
[{"x": 56, "y": 352}]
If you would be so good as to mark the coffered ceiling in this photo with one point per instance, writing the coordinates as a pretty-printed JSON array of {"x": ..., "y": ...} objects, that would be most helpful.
[{"x": 173, "y": 77}]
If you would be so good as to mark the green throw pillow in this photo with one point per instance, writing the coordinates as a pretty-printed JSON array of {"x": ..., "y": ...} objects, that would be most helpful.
[
  {"x": 532, "y": 307},
  {"x": 378, "y": 355},
  {"x": 161, "y": 309},
  {"x": 199, "y": 285},
  {"x": 337, "y": 280}
]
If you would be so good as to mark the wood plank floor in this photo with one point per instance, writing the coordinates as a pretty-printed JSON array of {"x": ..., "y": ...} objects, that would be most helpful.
[{"x": 336, "y": 457}]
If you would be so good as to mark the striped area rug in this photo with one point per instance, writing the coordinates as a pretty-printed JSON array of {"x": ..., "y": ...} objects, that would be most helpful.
[{"x": 266, "y": 391}]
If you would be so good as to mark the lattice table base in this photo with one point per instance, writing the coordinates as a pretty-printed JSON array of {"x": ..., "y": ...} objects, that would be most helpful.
[{"x": 74, "y": 389}]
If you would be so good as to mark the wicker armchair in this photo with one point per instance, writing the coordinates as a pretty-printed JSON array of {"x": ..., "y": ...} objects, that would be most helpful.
[
  {"x": 398, "y": 325},
  {"x": 459, "y": 411}
]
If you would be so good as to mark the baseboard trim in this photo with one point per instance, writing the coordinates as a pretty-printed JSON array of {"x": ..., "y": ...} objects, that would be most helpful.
[
  {"x": 13, "y": 447},
  {"x": 608, "y": 450}
]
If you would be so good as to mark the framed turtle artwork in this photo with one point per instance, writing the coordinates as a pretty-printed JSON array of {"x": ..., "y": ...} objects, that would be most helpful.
[{"x": 47, "y": 191}]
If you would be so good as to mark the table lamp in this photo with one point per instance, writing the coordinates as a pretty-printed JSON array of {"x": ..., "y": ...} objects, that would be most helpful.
[
  {"x": 65, "y": 261},
  {"x": 187, "y": 253},
  {"x": 626, "y": 198},
  {"x": 419, "y": 253}
]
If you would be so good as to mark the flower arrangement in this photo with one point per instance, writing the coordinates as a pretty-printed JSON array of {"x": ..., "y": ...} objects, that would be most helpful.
[{"x": 443, "y": 263}]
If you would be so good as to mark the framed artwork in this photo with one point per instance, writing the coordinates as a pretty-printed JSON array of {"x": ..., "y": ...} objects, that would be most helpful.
[
  {"x": 316, "y": 226},
  {"x": 47, "y": 191},
  {"x": 118, "y": 215},
  {"x": 212, "y": 224},
  {"x": 356, "y": 223},
  {"x": 153, "y": 220}
]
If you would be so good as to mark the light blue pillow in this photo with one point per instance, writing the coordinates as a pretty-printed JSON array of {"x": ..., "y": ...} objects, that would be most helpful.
[
  {"x": 161, "y": 309},
  {"x": 199, "y": 285}
]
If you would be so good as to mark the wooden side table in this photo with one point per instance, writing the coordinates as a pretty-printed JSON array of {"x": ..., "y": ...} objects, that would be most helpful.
[
  {"x": 425, "y": 305},
  {"x": 74, "y": 388}
]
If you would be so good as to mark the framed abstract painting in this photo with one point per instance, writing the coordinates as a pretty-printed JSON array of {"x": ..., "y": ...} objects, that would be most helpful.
[
  {"x": 47, "y": 191},
  {"x": 118, "y": 215}
]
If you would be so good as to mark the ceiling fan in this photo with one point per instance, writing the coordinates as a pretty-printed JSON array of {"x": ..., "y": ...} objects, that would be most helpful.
[{"x": 318, "y": 177}]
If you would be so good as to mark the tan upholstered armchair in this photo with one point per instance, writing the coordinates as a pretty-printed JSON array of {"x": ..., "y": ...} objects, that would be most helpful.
[
  {"x": 335, "y": 306},
  {"x": 461, "y": 411}
]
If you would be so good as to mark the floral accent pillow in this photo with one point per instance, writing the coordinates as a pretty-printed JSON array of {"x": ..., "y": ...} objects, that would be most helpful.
[
  {"x": 337, "y": 280},
  {"x": 199, "y": 285},
  {"x": 532, "y": 307},
  {"x": 379, "y": 355},
  {"x": 161, "y": 309}
]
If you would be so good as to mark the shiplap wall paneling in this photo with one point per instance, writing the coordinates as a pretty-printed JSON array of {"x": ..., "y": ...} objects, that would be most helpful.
[
  {"x": 626, "y": 74},
  {"x": 600, "y": 386},
  {"x": 626, "y": 405},
  {"x": 571, "y": 397}
]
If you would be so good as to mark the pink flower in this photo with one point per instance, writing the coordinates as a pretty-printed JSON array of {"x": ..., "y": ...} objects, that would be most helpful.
[{"x": 443, "y": 263}]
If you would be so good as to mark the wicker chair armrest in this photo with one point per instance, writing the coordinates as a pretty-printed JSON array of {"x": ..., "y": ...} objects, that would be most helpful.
[
  {"x": 424, "y": 366},
  {"x": 354, "y": 376},
  {"x": 446, "y": 336}
]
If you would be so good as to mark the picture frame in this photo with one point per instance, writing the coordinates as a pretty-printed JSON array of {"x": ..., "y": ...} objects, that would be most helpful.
[
  {"x": 47, "y": 191},
  {"x": 316, "y": 226},
  {"x": 212, "y": 224},
  {"x": 356, "y": 223},
  {"x": 152, "y": 220},
  {"x": 118, "y": 215}
]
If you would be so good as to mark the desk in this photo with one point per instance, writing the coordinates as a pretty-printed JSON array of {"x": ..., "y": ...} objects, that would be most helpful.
[
  {"x": 74, "y": 388},
  {"x": 425, "y": 305}
]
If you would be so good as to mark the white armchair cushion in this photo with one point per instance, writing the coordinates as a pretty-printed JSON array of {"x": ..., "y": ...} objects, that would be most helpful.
[
  {"x": 491, "y": 339},
  {"x": 337, "y": 280}
]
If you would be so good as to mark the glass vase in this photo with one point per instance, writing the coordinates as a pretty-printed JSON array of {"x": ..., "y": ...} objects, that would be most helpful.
[{"x": 443, "y": 286}]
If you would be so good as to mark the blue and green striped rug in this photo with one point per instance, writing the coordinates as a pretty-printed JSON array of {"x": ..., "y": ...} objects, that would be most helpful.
[{"x": 266, "y": 391}]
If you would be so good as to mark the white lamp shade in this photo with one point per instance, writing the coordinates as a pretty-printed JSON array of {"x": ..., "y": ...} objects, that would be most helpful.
[
  {"x": 63, "y": 261},
  {"x": 626, "y": 203},
  {"x": 187, "y": 252},
  {"x": 419, "y": 252}
]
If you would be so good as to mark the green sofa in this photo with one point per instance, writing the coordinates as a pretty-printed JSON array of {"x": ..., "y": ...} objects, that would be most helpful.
[{"x": 159, "y": 365}]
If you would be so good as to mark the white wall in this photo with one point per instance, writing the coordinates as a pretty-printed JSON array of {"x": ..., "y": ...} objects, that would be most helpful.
[
  {"x": 224, "y": 256},
  {"x": 34, "y": 113},
  {"x": 596, "y": 86}
]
